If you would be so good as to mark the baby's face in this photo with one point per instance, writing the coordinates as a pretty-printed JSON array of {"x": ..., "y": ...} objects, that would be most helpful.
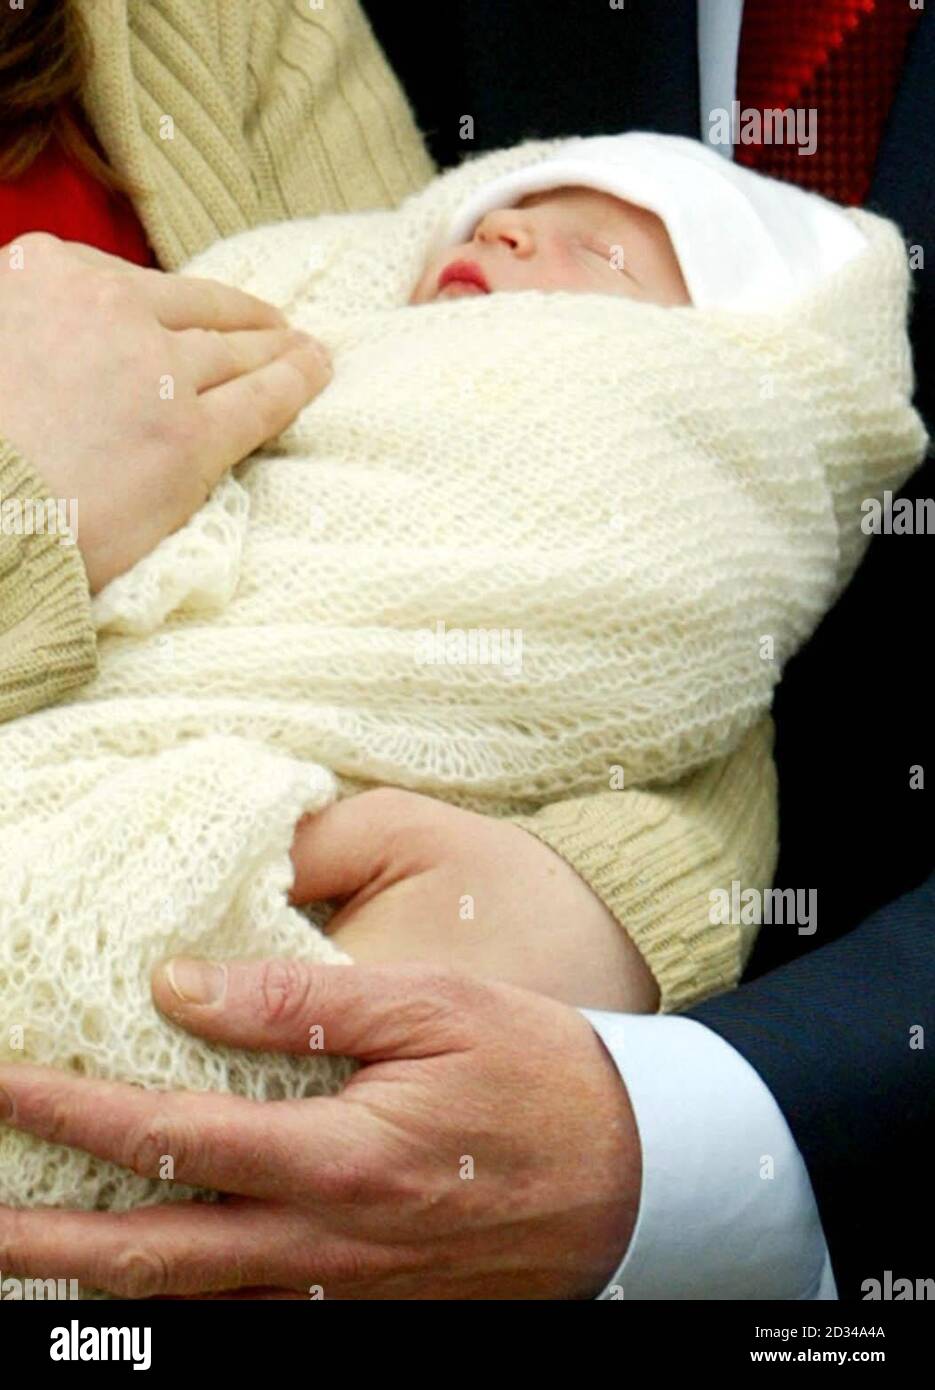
[{"x": 566, "y": 239}]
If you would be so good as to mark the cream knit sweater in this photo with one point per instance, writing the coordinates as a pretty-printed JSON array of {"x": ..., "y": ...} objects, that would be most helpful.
[
  {"x": 223, "y": 114},
  {"x": 227, "y": 114},
  {"x": 467, "y": 466},
  {"x": 652, "y": 856}
]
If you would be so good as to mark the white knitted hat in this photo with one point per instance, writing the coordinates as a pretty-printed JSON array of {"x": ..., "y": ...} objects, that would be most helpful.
[{"x": 743, "y": 241}]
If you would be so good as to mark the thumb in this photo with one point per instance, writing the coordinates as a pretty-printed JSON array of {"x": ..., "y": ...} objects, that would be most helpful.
[
  {"x": 371, "y": 1013},
  {"x": 340, "y": 850}
]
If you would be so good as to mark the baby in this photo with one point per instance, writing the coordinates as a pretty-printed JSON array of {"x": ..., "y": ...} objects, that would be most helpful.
[
  {"x": 575, "y": 239},
  {"x": 641, "y": 216},
  {"x": 525, "y": 547}
]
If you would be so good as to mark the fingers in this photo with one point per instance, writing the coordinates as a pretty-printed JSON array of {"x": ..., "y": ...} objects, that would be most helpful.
[
  {"x": 250, "y": 1295},
  {"x": 244, "y": 413},
  {"x": 370, "y": 1013},
  {"x": 104, "y": 260},
  {"x": 186, "y": 301},
  {"x": 342, "y": 849},
  {"x": 215, "y": 357},
  {"x": 182, "y": 301},
  {"x": 180, "y": 1248},
  {"x": 228, "y": 1143}
]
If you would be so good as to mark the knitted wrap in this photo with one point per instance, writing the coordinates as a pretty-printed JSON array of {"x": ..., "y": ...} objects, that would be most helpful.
[{"x": 521, "y": 548}]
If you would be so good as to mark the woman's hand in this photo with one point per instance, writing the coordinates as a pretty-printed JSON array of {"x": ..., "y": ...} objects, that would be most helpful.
[
  {"x": 420, "y": 880},
  {"x": 133, "y": 391}
]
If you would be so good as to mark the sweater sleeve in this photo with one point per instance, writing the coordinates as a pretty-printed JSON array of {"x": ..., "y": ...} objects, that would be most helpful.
[
  {"x": 654, "y": 856},
  {"x": 47, "y": 640}
]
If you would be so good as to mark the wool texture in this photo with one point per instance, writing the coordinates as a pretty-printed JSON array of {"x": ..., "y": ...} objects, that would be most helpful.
[
  {"x": 228, "y": 113},
  {"x": 656, "y": 506}
]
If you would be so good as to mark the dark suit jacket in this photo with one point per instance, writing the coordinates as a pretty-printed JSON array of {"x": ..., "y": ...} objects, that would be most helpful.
[{"x": 830, "y": 1032}]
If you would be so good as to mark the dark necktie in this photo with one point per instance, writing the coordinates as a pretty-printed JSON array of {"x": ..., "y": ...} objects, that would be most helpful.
[{"x": 839, "y": 58}]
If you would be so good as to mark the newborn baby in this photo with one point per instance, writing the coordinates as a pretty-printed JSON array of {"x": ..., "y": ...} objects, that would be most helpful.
[
  {"x": 658, "y": 219},
  {"x": 576, "y": 239},
  {"x": 525, "y": 548}
]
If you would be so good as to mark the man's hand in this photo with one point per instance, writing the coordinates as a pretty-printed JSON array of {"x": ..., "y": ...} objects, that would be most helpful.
[
  {"x": 133, "y": 391},
  {"x": 422, "y": 880},
  {"x": 485, "y": 1149}
]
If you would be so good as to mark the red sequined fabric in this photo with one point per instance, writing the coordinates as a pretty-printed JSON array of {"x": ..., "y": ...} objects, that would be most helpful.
[{"x": 841, "y": 59}]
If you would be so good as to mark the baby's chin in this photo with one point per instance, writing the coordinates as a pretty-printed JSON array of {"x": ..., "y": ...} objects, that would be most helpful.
[
  {"x": 461, "y": 289},
  {"x": 457, "y": 289}
]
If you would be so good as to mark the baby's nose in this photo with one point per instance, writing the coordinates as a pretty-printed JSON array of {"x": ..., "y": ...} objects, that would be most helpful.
[{"x": 508, "y": 226}]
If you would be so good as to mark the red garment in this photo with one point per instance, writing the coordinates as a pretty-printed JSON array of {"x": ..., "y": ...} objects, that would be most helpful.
[
  {"x": 842, "y": 58},
  {"x": 60, "y": 196}
]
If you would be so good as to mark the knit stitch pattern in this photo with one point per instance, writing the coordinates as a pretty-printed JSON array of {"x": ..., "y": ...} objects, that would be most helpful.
[{"x": 642, "y": 494}]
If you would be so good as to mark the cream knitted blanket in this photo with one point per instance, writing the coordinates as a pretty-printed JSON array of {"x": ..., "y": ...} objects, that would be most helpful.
[{"x": 521, "y": 548}]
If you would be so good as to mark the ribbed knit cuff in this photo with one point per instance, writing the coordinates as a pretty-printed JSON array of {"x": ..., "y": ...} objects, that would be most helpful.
[
  {"x": 654, "y": 858},
  {"x": 47, "y": 641}
]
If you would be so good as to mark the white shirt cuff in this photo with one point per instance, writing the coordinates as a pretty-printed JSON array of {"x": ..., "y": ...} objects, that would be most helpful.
[
  {"x": 726, "y": 1207},
  {"x": 719, "y": 26}
]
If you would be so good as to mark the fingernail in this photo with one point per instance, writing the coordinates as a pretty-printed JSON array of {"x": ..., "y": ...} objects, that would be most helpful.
[
  {"x": 312, "y": 344},
  {"x": 196, "y": 981},
  {"x": 6, "y": 1106}
]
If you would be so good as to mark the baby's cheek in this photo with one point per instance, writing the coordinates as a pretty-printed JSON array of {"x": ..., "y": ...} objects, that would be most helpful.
[
  {"x": 427, "y": 279},
  {"x": 574, "y": 267},
  {"x": 568, "y": 263}
]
